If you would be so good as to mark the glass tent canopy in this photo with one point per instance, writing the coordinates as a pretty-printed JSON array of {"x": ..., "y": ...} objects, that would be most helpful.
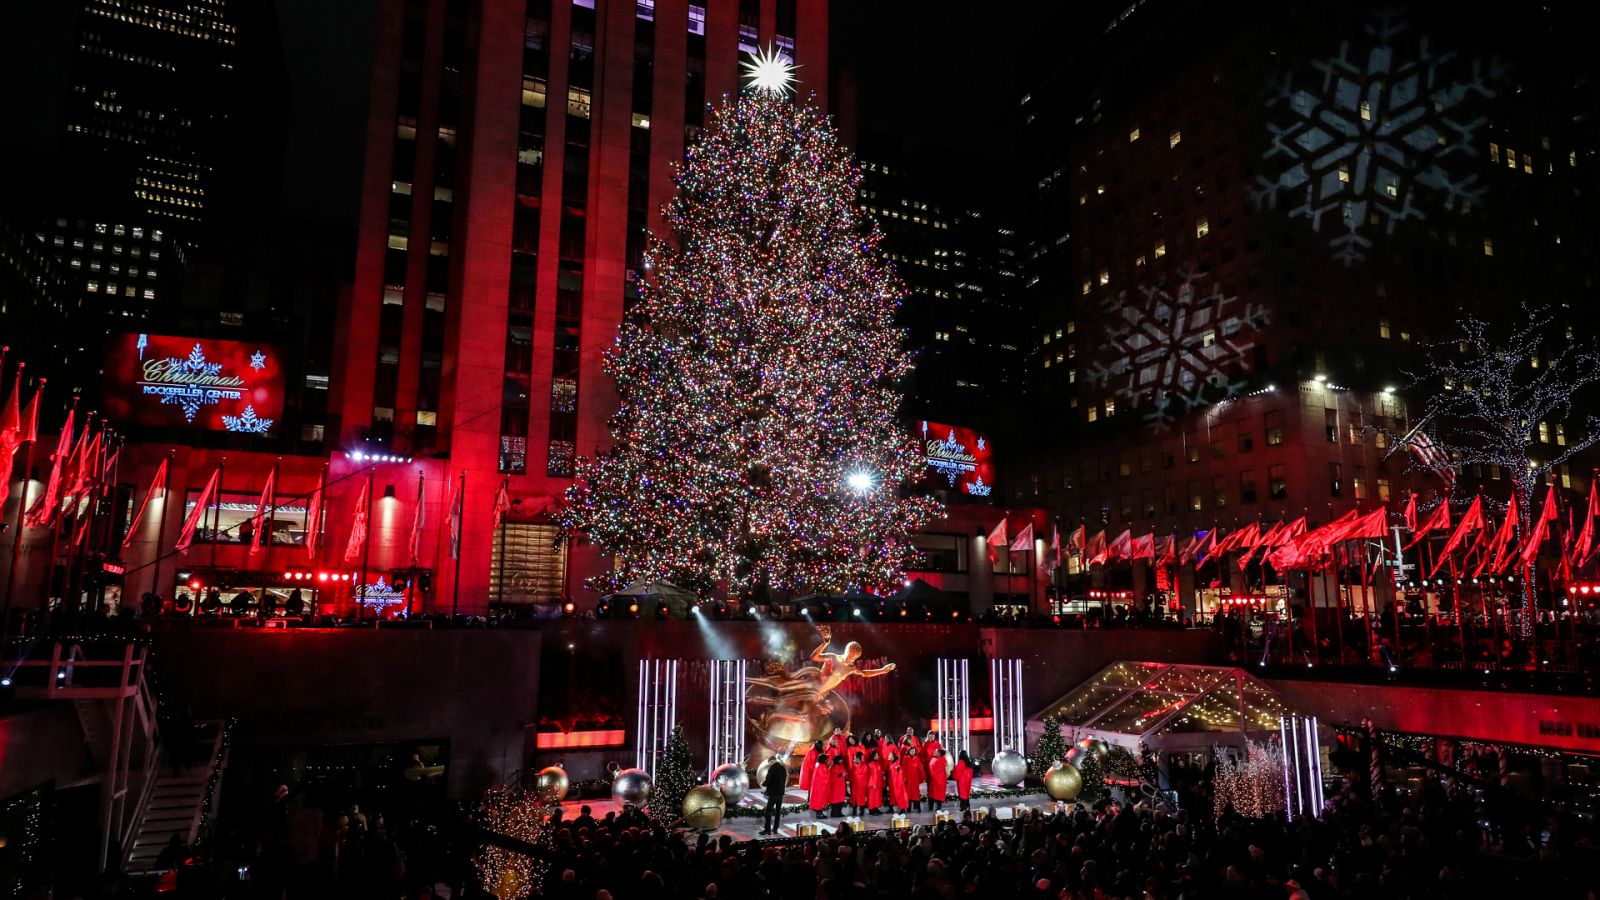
[{"x": 1170, "y": 707}]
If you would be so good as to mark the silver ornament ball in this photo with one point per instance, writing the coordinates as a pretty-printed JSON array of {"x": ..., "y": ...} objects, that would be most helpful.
[
  {"x": 631, "y": 787},
  {"x": 1009, "y": 767},
  {"x": 732, "y": 780}
]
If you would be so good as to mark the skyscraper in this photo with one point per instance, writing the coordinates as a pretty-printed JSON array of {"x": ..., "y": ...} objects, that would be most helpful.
[
  {"x": 517, "y": 153},
  {"x": 1246, "y": 228}
]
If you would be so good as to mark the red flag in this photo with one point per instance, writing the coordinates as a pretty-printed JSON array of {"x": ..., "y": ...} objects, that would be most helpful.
[
  {"x": 158, "y": 485},
  {"x": 1374, "y": 524},
  {"x": 1207, "y": 546},
  {"x": 198, "y": 514},
  {"x": 458, "y": 497},
  {"x": 416, "y": 526},
  {"x": 1585, "y": 547},
  {"x": 269, "y": 499},
  {"x": 996, "y": 540},
  {"x": 1144, "y": 547},
  {"x": 1438, "y": 520},
  {"x": 14, "y": 437},
  {"x": 1076, "y": 540},
  {"x": 1500, "y": 551},
  {"x": 314, "y": 522},
  {"x": 1243, "y": 537},
  {"x": 1024, "y": 539},
  {"x": 1052, "y": 556},
  {"x": 1540, "y": 527},
  {"x": 44, "y": 509},
  {"x": 358, "y": 528},
  {"x": 1266, "y": 541},
  {"x": 10, "y": 435},
  {"x": 1411, "y": 512},
  {"x": 502, "y": 503},
  {"x": 1122, "y": 546},
  {"x": 1284, "y": 554},
  {"x": 1471, "y": 520},
  {"x": 1167, "y": 550},
  {"x": 1095, "y": 549},
  {"x": 86, "y": 461}
]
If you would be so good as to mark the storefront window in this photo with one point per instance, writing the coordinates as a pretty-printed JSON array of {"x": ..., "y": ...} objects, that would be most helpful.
[{"x": 233, "y": 522}]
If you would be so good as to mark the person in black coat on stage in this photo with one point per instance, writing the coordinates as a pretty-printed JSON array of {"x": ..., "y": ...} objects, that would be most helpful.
[{"x": 776, "y": 783}]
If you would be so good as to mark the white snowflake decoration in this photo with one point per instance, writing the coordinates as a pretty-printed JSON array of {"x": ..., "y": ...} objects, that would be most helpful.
[
  {"x": 249, "y": 423},
  {"x": 1363, "y": 145},
  {"x": 194, "y": 364},
  {"x": 977, "y": 488},
  {"x": 258, "y": 360},
  {"x": 1171, "y": 351}
]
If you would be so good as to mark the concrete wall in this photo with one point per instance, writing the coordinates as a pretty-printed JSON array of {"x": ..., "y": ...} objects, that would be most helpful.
[
  {"x": 478, "y": 689},
  {"x": 42, "y": 744}
]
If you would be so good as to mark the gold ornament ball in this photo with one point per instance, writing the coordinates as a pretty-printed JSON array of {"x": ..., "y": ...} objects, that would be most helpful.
[
  {"x": 1100, "y": 749},
  {"x": 703, "y": 807},
  {"x": 551, "y": 784},
  {"x": 1063, "y": 782}
]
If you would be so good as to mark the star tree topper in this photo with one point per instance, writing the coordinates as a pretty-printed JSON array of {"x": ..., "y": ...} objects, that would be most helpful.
[{"x": 769, "y": 70}]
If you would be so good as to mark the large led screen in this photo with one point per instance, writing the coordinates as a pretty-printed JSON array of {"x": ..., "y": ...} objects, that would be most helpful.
[{"x": 164, "y": 381}]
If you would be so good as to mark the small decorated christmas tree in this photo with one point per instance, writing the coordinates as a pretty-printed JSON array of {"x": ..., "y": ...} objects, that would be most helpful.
[
  {"x": 1051, "y": 749},
  {"x": 674, "y": 777}
]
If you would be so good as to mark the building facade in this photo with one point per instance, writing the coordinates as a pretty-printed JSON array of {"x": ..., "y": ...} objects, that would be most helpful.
[
  {"x": 1245, "y": 229},
  {"x": 518, "y": 151}
]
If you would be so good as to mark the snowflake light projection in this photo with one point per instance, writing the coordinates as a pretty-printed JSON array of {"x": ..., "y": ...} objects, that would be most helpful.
[
  {"x": 248, "y": 423},
  {"x": 1170, "y": 350},
  {"x": 195, "y": 364},
  {"x": 1360, "y": 147}
]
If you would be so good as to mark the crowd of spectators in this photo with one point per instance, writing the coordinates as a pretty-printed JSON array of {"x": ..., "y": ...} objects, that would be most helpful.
[{"x": 1434, "y": 843}]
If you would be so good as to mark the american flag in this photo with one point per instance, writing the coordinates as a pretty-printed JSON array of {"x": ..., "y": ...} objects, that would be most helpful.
[{"x": 1430, "y": 455}]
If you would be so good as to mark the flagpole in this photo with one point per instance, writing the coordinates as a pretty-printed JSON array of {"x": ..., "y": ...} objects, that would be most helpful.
[
  {"x": 315, "y": 526},
  {"x": 272, "y": 515},
  {"x": 500, "y": 581},
  {"x": 22, "y": 505},
  {"x": 161, "y": 527},
  {"x": 455, "y": 581},
  {"x": 85, "y": 530},
  {"x": 55, "y": 532},
  {"x": 216, "y": 512},
  {"x": 411, "y": 548},
  {"x": 366, "y": 549}
]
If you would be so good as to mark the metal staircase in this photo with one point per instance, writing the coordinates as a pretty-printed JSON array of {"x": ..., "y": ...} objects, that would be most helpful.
[{"x": 179, "y": 800}]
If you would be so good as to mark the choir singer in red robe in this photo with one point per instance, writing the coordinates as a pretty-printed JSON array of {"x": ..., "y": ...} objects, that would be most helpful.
[{"x": 937, "y": 779}]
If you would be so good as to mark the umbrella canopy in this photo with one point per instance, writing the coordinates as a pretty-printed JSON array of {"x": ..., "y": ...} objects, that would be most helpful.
[{"x": 676, "y": 598}]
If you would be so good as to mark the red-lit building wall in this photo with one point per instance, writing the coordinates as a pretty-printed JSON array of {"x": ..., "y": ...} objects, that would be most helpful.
[{"x": 501, "y": 230}]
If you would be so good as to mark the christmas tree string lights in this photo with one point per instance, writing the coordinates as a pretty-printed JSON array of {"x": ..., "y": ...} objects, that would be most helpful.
[{"x": 758, "y": 444}]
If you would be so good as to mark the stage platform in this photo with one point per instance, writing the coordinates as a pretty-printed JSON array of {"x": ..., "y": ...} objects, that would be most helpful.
[{"x": 745, "y": 828}]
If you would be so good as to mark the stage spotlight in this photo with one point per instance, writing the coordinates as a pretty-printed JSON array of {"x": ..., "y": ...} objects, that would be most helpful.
[
  {"x": 633, "y": 609},
  {"x": 5, "y": 682},
  {"x": 662, "y": 612},
  {"x": 805, "y": 612},
  {"x": 955, "y": 614},
  {"x": 857, "y": 610},
  {"x": 602, "y": 609},
  {"x": 751, "y": 612},
  {"x": 569, "y": 608},
  {"x": 902, "y": 612},
  {"x": 694, "y": 610}
]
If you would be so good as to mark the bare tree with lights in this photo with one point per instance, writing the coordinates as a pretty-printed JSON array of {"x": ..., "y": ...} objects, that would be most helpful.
[
  {"x": 758, "y": 443},
  {"x": 1490, "y": 388}
]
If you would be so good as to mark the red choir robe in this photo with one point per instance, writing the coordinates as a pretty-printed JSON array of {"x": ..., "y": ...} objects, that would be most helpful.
[
  {"x": 928, "y": 750},
  {"x": 821, "y": 788},
  {"x": 937, "y": 781},
  {"x": 859, "y": 776},
  {"x": 838, "y": 779},
  {"x": 914, "y": 774},
  {"x": 963, "y": 776},
  {"x": 806, "y": 766},
  {"x": 897, "y": 787},
  {"x": 873, "y": 798}
]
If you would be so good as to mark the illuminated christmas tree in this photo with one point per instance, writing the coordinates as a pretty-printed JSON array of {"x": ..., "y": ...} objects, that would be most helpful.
[
  {"x": 758, "y": 444},
  {"x": 674, "y": 777}
]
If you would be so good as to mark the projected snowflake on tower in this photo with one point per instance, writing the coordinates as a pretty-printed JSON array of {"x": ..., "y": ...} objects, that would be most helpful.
[
  {"x": 1171, "y": 350},
  {"x": 1375, "y": 134}
]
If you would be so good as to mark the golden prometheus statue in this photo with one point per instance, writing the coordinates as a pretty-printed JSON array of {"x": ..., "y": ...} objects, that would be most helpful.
[{"x": 800, "y": 707}]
